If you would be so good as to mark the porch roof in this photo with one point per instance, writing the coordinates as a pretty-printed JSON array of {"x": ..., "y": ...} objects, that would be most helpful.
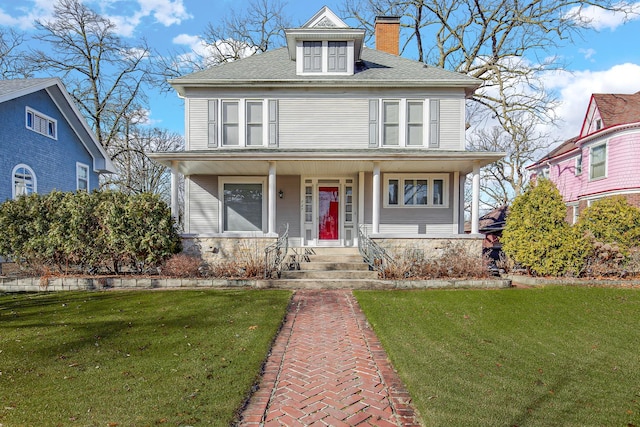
[{"x": 247, "y": 161}]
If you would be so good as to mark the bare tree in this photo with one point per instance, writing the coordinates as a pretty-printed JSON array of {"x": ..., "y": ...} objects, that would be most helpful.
[
  {"x": 509, "y": 45},
  {"x": 241, "y": 33},
  {"x": 104, "y": 75},
  {"x": 12, "y": 62}
]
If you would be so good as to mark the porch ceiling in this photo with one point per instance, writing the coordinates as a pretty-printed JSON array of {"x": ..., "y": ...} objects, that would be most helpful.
[{"x": 321, "y": 163}]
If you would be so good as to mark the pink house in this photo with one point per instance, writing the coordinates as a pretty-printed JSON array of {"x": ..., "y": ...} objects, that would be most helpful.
[{"x": 603, "y": 160}]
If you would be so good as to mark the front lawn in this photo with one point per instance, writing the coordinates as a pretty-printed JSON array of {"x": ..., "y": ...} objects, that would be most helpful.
[
  {"x": 133, "y": 358},
  {"x": 557, "y": 356}
]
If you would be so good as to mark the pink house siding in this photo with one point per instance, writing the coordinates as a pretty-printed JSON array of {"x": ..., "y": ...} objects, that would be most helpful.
[{"x": 612, "y": 120}]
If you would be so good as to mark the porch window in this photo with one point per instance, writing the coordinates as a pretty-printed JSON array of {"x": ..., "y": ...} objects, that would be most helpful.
[
  {"x": 598, "y": 162},
  {"x": 242, "y": 207},
  {"x": 408, "y": 190},
  {"x": 230, "y": 134},
  {"x": 254, "y": 123}
]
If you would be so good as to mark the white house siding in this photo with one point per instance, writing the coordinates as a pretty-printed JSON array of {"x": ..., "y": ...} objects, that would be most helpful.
[
  {"x": 203, "y": 204},
  {"x": 198, "y": 129},
  {"x": 451, "y": 123},
  {"x": 324, "y": 123},
  {"x": 288, "y": 208}
]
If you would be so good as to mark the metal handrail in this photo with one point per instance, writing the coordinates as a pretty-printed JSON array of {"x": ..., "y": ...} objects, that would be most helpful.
[
  {"x": 275, "y": 253},
  {"x": 373, "y": 254}
]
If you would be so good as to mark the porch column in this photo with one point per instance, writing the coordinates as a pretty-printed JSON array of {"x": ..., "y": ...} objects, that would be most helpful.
[
  {"x": 175, "y": 208},
  {"x": 272, "y": 198},
  {"x": 475, "y": 201},
  {"x": 375, "y": 214}
]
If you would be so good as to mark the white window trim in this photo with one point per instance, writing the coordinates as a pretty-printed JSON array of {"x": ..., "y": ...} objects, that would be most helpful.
[
  {"x": 13, "y": 176},
  {"x": 403, "y": 122},
  {"x": 79, "y": 166},
  {"x": 578, "y": 166},
  {"x": 325, "y": 59},
  {"x": 430, "y": 177},
  {"x": 50, "y": 120},
  {"x": 606, "y": 162},
  {"x": 242, "y": 180},
  {"x": 242, "y": 122}
]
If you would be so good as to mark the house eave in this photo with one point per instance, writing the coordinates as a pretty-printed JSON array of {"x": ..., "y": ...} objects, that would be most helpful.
[{"x": 248, "y": 162}]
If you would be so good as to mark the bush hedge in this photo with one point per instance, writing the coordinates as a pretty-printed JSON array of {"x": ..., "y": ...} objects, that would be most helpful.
[{"x": 88, "y": 232}]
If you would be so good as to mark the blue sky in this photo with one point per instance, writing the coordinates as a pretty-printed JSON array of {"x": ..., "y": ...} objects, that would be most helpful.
[{"x": 605, "y": 60}]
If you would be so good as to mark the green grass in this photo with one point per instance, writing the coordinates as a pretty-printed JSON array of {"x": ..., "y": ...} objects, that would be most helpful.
[
  {"x": 557, "y": 356},
  {"x": 133, "y": 358}
]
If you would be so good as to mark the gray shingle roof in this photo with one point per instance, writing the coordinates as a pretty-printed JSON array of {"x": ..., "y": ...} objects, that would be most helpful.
[
  {"x": 15, "y": 85},
  {"x": 376, "y": 68}
]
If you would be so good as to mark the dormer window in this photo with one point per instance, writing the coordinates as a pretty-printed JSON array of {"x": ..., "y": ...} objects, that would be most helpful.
[{"x": 325, "y": 57}]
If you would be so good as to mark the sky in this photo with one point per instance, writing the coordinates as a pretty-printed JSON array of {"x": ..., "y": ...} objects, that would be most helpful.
[{"x": 605, "y": 60}]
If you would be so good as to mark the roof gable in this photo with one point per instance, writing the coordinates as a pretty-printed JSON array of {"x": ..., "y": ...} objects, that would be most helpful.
[
  {"x": 606, "y": 110},
  {"x": 13, "y": 89},
  {"x": 325, "y": 18}
]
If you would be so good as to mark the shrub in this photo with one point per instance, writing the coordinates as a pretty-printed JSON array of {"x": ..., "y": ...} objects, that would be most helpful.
[
  {"x": 87, "y": 231},
  {"x": 612, "y": 220},
  {"x": 182, "y": 265},
  {"x": 537, "y": 236}
]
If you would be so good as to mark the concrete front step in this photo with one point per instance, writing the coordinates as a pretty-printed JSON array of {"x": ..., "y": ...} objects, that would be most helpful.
[
  {"x": 332, "y": 258},
  {"x": 328, "y": 266},
  {"x": 324, "y": 284},
  {"x": 329, "y": 274},
  {"x": 326, "y": 251}
]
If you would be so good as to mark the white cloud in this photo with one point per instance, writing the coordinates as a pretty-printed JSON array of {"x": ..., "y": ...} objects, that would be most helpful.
[
  {"x": 23, "y": 17},
  {"x": 575, "y": 89},
  {"x": 599, "y": 19},
  {"x": 165, "y": 12},
  {"x": 588, "y": 54}
]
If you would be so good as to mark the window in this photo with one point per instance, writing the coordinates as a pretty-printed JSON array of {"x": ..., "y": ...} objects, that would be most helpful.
[
  {"x": 213, "y": 123},
  {"x": 230, "y": 134},
  {"x": 416, "y": 190},
  {"x": 598, "y": 168},
  {"x": 337, "y": 57},
  {"x": 41, "y": 124},
  {"x": 578, "y": 169},
  {"x": 598, "y": 124},
  {"x": 24, "y": 181},
  {"x": 414, "y": 122},
  {"x": 82, "y": 177},
  {"x": 254, "y": 123},
  {"x": 243, "y": 204},
  {"x": 390, "y": 122},
  {"x": 312, "y": 57}
]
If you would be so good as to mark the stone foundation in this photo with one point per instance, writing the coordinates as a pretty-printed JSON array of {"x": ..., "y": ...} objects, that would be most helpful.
[
  {"x": 215, "y": 249},
  {"x": 429, "y": 248}
]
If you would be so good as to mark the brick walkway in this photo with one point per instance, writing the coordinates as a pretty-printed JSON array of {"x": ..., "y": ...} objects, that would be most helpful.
[{"x": 327, "y": 368}]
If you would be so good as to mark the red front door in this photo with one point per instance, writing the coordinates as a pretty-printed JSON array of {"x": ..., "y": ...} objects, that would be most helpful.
[{"x": 328, "y": 213}]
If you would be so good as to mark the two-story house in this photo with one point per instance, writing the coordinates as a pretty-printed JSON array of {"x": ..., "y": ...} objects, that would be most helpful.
[
  {"x": 45, "y": 143},
  {"x": 329, "y": 137},
  {"x": 603, "y": 160}
]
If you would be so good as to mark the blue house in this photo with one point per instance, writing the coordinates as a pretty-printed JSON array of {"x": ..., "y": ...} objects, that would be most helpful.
[{"x": 45, "y": 143}]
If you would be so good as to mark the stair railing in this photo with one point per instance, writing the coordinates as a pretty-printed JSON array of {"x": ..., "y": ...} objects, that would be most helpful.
[
  {"x": 373, "y": 254},
  {"x": 274, "y": 255}
]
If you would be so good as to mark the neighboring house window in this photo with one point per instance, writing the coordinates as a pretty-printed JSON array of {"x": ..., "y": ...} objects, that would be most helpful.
[
  {"x": 578, "y": 164},
  {"x": 42, "y": 124},
  {"x": 416, "y": 190},
  {"x": 415, "y": 122},
  {"x": 82, "y": 177},
  {"x": 230, "y": 121},
  {"x": 312, "y": 57},
  {"x": 254, "y": 123},
  {"x": 24, "y": 181},
  {"x": 544, "y": 173},
  {"x": 598, "y": 163},
  {"x": 390, "y": 123},
  {"x": 337, "y": 57},
  {"x": 243, "y": 204}
]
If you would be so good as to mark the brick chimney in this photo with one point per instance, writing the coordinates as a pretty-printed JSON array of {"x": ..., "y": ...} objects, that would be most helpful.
[{"x": 387, "y": 32}]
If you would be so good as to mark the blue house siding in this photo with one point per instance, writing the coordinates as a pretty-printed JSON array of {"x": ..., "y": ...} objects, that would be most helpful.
[{"x": 52, "y": 160}]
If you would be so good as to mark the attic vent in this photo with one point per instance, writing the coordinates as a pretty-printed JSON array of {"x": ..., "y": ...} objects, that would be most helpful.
[{"x": 326, "y": 23}]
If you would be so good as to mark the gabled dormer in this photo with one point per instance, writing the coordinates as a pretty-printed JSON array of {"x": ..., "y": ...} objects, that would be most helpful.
[{"x": 325, "y": 45}]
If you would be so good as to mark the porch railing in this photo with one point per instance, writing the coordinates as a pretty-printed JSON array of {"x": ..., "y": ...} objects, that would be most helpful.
[
  {"x": 274, "y": 255},
  {"x": 373, "y": 254}
]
